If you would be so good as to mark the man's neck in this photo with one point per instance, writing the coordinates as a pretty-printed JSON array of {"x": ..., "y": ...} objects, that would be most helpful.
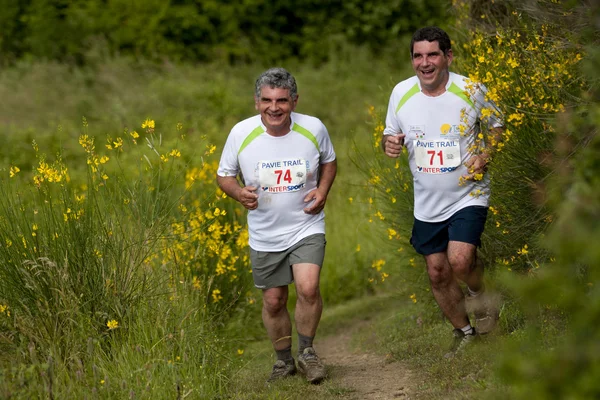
[
  {"x": 438, "y": 90},
  {"x": 280, "y": 130}
]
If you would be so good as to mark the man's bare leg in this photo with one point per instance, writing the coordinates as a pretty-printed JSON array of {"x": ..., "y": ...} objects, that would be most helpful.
[
  {"x": 446, "y": 289},
  {"x": 469, "y": 268},
  {"x": 276, "y": 317},
  {"x": 309, "y": 304},
  {"x": 465, "y": 264}
]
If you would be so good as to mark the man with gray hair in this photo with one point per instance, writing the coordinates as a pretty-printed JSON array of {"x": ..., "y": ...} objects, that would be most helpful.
[{"x": 286, "y": 164}]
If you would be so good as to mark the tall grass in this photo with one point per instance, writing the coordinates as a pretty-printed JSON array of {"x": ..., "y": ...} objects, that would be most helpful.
[{"x": 118, "y": 283}]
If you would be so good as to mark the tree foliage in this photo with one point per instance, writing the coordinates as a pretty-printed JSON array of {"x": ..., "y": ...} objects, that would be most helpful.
[{"x": 203, "y": 30}]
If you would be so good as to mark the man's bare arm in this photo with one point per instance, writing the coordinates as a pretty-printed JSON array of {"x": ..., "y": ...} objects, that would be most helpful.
[{"x": 246, "y": 195}]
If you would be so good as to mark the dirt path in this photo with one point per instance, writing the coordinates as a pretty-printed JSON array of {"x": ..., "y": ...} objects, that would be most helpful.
[{"x": 367, "y": 376}]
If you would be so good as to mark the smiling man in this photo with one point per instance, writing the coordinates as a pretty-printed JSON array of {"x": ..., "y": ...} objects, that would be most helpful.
[
  {"x": 438, "y": 120},
  {"x": 286, "y": 165}
]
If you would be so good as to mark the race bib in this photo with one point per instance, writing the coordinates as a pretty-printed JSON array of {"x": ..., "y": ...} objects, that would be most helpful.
[
  {"x": 282, "y": 176},
  {"x": 437, "y": 156}
]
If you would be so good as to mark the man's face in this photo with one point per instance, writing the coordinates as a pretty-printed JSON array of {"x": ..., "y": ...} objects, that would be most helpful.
[
  {"x": 431, "y": 65},
  {"x": 275, "y": 106}
]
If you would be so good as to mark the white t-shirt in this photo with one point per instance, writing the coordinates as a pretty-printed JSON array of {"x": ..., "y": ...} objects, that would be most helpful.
[
  {"x": 437, "y": 151},
  {"x": 284, "y": 169}
]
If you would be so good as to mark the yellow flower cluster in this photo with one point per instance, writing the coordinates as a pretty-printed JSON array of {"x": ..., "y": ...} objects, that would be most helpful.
[
  {"x": 498, "y": 61},
  {"x": 55, "y": 173},
  {"x": 206, "y": 242},
  {"x": 112, "y": 324}
]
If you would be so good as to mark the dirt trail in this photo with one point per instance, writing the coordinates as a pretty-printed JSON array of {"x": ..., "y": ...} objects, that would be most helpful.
[{"x": 366, "y": 375}]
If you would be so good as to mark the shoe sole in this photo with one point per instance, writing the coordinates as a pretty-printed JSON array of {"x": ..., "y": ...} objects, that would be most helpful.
[{"x": 314, "y": 380}]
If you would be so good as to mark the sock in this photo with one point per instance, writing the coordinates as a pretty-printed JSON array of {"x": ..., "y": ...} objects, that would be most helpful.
[
  {"x": 304, "y": 342},
  {"x": 473, "y": 293},
  {"x": 285, "y": 354},
  {"x": 468, "y": 330}
]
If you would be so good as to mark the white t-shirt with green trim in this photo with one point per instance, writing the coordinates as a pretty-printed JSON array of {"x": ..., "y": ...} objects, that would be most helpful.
[
  {"x": 436, "y": 148},
  {"x": 285, "y": 169}
]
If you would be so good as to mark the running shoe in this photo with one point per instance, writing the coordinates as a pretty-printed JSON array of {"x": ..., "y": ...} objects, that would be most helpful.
[
  {"x": 282, "y": 369},
  {"x": 311, "y": 366}
]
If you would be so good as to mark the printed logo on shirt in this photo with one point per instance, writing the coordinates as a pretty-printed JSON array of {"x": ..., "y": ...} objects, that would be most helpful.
[
  {"x": 447, "y": 129},
  {"x": 417, "y": 130}
]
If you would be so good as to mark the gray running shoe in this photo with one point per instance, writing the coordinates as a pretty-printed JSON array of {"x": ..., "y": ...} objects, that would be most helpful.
[
  {"x": 461, "y": 341},
  {"x": 485, "y": 309},
  {"x": 282, "y": 369},
  {"x": 310, "y": 365}
]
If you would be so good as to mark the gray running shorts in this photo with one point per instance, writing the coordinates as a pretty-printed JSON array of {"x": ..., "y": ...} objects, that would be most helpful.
[{"x": 274, "y": 269}]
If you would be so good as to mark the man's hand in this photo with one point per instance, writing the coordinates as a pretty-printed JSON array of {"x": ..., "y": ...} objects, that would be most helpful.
[
  {"x": 246, "y": 195},
  {"x": 477, "y": 166},
  {"x": 318, "y": 202},
  {"x": 392, "y": 144},
  {"x": 248, "y": 198}
]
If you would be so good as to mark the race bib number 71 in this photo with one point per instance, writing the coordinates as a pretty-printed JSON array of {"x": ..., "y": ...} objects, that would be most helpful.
[
  {"x": 282, "y": 176},
  {"x": 437, "y": 156}
]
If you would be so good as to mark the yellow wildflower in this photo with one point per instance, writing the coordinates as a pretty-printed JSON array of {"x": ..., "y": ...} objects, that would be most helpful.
[
  {"x": 216, "y": 295},
  {"x": 148, "y": 124},
  {"x": 523, "y": 251},
  {"x": 112, "y": 324},
  {"x": 210, "y": 148}
]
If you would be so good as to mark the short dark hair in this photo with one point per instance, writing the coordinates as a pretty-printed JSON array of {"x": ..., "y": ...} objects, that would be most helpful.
[
  {"x": 431, "y": 34},
  {"x": 276, "y": 78}
]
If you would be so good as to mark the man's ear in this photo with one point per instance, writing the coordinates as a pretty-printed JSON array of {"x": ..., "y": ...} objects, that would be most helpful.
[
  {"x": 450, "y": 56},
  {"x": 256, "y": 103},
  {"x": 295, "y": 102}
]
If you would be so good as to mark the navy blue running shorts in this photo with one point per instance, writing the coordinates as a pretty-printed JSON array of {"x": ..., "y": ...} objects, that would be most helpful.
[{"x": 465, "y": 225}]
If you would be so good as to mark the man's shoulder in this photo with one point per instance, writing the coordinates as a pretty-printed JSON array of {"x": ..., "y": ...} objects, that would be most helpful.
[
  {"x": 406, "y": 85},
  {"x": 307, "y": 122},
  {"x": 297, "y": 117},
  {"x": 471, "y": 91},
  {"x": 459, "y": 80},
  {"x": 247, "y": 125}
]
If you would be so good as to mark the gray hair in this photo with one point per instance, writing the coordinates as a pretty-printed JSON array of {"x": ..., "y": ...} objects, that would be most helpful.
[{"x": 276, "y": 78}]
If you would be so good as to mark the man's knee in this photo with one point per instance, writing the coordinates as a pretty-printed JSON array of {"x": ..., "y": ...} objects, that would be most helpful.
[
  {"x": 439, "y": 274},
  {"x": 462, "y": 264},
  {"x": 273, "y": 303},
  {"x": 308, "y": 293}
]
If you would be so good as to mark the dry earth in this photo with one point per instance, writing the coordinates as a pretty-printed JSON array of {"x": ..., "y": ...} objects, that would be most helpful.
[{"x": 366, "y": 375}]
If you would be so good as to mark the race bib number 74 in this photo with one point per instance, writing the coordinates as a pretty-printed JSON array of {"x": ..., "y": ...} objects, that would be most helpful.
[
  {"x": 282, "y": 176},
  {"x": 437, "y": 156}
]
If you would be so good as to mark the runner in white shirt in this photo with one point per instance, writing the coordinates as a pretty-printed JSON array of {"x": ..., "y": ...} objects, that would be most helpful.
[
  {"x": 287, "y": 165},
  {"x": 428, "y": 114}
]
